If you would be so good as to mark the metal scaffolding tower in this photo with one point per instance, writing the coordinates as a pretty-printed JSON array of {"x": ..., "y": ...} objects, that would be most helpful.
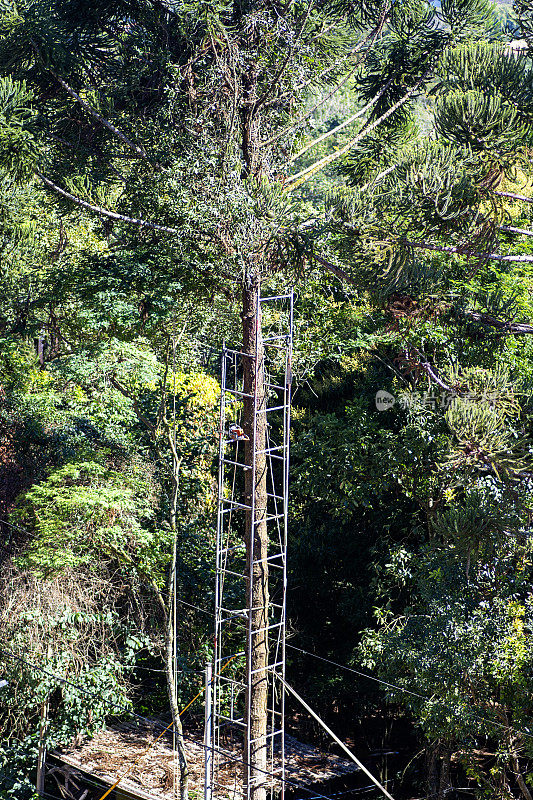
[{"x": 235, "y": 636}]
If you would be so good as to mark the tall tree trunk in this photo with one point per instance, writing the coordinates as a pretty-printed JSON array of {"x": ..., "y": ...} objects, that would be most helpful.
[{"x": 256, "y": 537}]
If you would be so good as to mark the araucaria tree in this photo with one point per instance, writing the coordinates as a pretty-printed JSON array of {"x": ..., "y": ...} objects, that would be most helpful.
[
  {"x": 172, "y": 123},
  {"x": 434, "y": 224},
  {"x": 177, "y": 124}
]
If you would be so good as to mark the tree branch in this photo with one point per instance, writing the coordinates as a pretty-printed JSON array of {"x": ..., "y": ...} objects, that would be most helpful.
[
  {"x": 141, "y": 223},
  {"x": 342, "y": 125},
  {"x": 513, "y": 196},
  {"x": 504, "y": 326},
  {"x": 336, "y": 64},
  {"x": 323, "y": 100},
  {"x": 378, "y": 177},
  {"x": 140, "y": 416},
  {"x": 140, "y": 151},
  {"x": 509, "y": 229},
  {"x": 295, "y": 180},
  {"x": 430, "y": 372},
  {"x": 337, "y": 271},
  {"x": 463, "y": 251}
]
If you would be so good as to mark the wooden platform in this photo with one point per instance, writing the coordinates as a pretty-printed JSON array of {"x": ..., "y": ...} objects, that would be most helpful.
[{"x": 114, "y": 751}]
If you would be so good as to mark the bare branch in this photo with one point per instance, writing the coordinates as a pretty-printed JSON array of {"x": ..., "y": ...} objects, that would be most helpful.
[
  {"x": 430, "y": 371},
  {"x": 140, "y": 416},
  {"x": 336, "y": 64},
  {"x": 509, "y": 229},
  {"x": 295, "y": 180},
  {"x": 140, "y": 151},
  {"x": 342, "y": 125},
  {"x": 141, "y": 223},
  {"x": 378, "y": 177},
  {"x": 440, "y": 248},
  {"x": 323, "y": 100},
  {"x": 504, "y": 326},
  {"x": 337, "y": 271},
  {"x": 513, "y": 196}
]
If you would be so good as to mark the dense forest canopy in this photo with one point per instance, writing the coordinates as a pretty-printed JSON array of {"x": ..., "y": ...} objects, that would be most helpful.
[{"x": 156, "y": 157}]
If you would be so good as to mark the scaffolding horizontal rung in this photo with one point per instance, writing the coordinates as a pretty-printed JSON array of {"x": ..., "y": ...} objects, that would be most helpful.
[
  {"x": 235, "y": 463},
  {"x": 275, "y": 386},
  {"x": 231, "y": 572},
  {"x": 268, "y": 668},
  {"x": 231, "y": 721},
  {"x": 275, "y": 496},
  {"x": 270, "y": 558},
  {"x": 275, "y": 297},
  {"x": 270, "y": 605},
  {"x": 269, "y": 450},
  {"x": 269, "y": 517},
  {"x": 237, "y": 392},
  {"x": 234, "y": 612},
  {"x": 235, "y": 504},
  {"x": 219, "y": 677},
  {"x": 272, "y": 408},
  {"x": 238, "y": 352},
  {"x": 270, "y": 564},
  {"x": 270, "y": 735},
  {"x": 266, "y": 628},
  {"x": 276, "y": 338},
  {"x": 225, "y": 550}
]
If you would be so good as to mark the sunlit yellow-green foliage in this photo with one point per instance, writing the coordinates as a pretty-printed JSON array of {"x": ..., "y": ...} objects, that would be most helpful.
[
  {"x": 86, "y": 508},
  {"x": 514, "y": 652}
]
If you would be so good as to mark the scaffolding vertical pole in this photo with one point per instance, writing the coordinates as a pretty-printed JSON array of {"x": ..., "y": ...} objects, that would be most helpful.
[
  {"x": 215, "y": 685},
  {"x": 208, "y": 760},
  {"x": 41, "y": 755},
  {"x": 287, "y": 396}
]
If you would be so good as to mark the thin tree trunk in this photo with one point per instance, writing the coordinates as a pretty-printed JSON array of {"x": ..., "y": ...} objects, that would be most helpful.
[
  {"x": 445, "y": 783},
  {"x": 524, "y": 789},
  {"x": 432, "y": 778},
  {"x": 171, "y": 683},
  {"x": 167, "y": 607},
  {"x": 256, "y": 537}
]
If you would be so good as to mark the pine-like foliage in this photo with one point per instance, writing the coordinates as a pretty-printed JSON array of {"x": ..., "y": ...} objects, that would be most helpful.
[
  {"x": 524, "y": 11},
  {"x": 441, "y": 192},
  {"x": 181, "y": 114},
  {"x": 18, "y": 147}
]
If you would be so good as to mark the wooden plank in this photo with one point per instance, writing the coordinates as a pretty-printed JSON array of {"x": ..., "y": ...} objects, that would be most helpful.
[{"x": 126, "y": 790}]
